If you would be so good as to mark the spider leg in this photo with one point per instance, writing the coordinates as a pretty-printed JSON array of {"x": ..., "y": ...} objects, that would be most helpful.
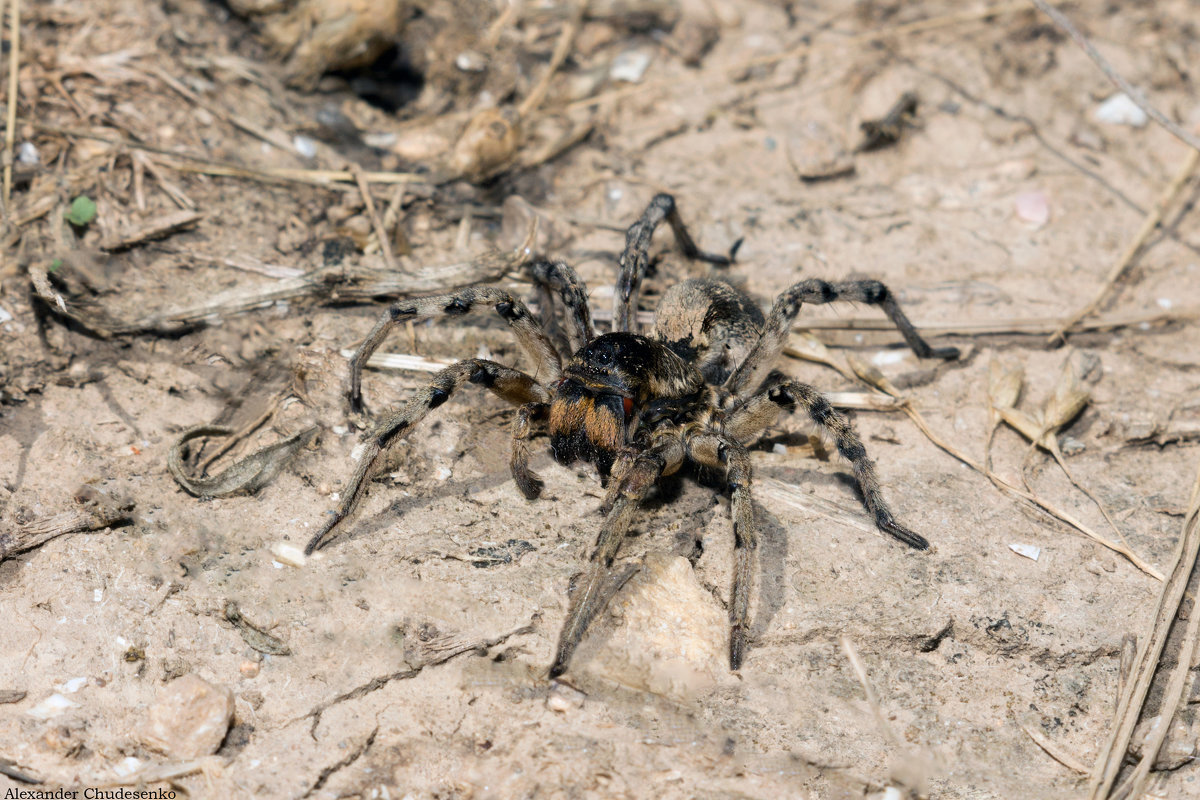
[
  {"x": 589, "y": 598},
  {"x": 524, "y": 428},
  {"x": 750, "y": 373},
  {"x": 761, "y": 410},
  {"x": 557, "y": 276},
  {"x": 714, "y": 450},
  {"x": 637, "y": 253},
  {"x": 514, "y": 386},
  {"x": 546, "y": 361}
]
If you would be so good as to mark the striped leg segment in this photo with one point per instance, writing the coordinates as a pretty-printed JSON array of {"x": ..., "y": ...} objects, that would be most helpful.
[
  {"x": 546, "y": 361},
  {"x": 722, "y": 452},
  {"x": 589, "y": 598},
  {"x": 753, "y": 371},
  {"x": 637, "y": 253},
  {"x": 557, "y": 277},
  {"x": 530, "y": 418},
  {"x": 789, "y": 396},
  {"x": 514, "y": 386}
]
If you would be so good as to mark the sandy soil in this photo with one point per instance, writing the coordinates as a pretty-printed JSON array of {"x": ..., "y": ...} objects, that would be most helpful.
[{"x": 419, "y": 642}]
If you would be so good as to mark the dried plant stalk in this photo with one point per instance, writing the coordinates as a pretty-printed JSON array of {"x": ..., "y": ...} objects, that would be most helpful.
[{"x": 874, "y": 378}]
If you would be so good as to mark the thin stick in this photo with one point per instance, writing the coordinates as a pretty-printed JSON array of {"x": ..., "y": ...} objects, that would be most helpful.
[
  {"x": 1125, "y": 86},
  {"x": 1052, "y": 750},
  {"x": 561, "y": 49},
  {"x": 1152, "y": 221},
  {"x": 385, "y": 241},
  {"x": 10, "y": 122},
  {"x": 1170, "y": 598},
  {"x": 860, "y": 672}
]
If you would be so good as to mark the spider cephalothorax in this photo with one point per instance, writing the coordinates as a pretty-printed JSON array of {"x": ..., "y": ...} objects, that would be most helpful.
[
  {"x": 607, "y": 389},
  {"x": 696, "y": 390}
]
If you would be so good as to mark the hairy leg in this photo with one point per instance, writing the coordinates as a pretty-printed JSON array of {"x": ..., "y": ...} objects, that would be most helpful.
[
  {"x": 588, "y": 600},
  {"x": 530, "y": 417},
  {"x": 546, "y": 361},
  {"x": 557, "y": 276},
  {"x": 714, "y": 450},
  {"x": 751, "y": 373},
  {"x": 761, "y": 410},
  {"x": 514, "y": 386},
  {"x": 637, "y": 253}
]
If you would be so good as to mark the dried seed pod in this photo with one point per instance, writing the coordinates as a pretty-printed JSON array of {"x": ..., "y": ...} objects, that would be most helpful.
[
  {"x": 1004, "y": 384},
  {"x": 489, "y": 141},
  {"x": 1069, "y": 396}
]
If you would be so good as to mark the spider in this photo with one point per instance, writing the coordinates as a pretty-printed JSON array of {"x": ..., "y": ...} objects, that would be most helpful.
[{"x": 696, "y": 389}]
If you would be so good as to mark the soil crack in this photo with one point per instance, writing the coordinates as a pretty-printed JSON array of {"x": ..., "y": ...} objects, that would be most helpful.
[{"x": 435, "y": 653}]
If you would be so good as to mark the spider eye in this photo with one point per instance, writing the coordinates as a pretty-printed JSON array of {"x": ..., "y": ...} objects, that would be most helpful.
[{"x": 604, "y": 357}]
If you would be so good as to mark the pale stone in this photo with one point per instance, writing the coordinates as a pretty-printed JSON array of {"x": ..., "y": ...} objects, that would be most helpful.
[{"x": 189, "y": 718}]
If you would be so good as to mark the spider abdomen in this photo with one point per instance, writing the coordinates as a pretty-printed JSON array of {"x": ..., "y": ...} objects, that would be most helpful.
[{"x": 709, "y": 323}]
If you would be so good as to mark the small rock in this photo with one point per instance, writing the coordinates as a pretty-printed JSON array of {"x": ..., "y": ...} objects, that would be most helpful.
[
  {"x": 51, "y": 707},
  {"x": 666, "y": 633},
  {"x": 305, "y": 146},
  {"x": 1033, "y": 208},
  {"x": 27, "y": 153},
  {"x": 557, "y": 703},
  {"x": 289, "y": 554},
  {"x": 1121, "y": 110},
  {"x": 249, "y": 669},
  {"x": 1027, "y": 550},
  {"x": 189, "y": 718},
  {"x": 629, "y": 66}
]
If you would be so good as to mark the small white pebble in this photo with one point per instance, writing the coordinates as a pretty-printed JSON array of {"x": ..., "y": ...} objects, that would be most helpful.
[
  {"x": 340, "y": 430},
  {"x": 442, "y": 473},
  {"x": 4, "y": 315},
  {"x": 1164, "y": 302},
  {"x": 97, "y": 595},
  {"x": 779, "y": 449},
  {"x": 127, "y": 766},
  {"x": 471, "y": 61},
  {"x": 27, "y": 153},
  {"x": 887, "y": 357},
  {"x": 51, "y": 707},
  {"x": 629, "y": 66},
  {"x": 1121, "y": 110},
  {"x": 276, "y": 564},
  {"x": 1027, "y": 550},
  {"x": 72, "y": 686},
  {"x": 1032, "y": 208},
  {"x": 304, "y": 146},
  {"x": 335, "y": 496},
  {"x": 289, "y": 554},
  {"x": 557, "y": 703}
]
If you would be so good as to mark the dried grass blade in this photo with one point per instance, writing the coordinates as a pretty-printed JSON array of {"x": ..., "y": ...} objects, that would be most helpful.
[
  {"x": 875, "y": 378},
  {"x": 1170, "y": 599}
]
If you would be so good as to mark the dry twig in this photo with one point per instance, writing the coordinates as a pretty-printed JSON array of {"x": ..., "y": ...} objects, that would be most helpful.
[
  {"x": 1149, "y": 224},
  {"x": 98, "y": 511},
  {"x": 1125, "y": 86},
  {"x": 10, "y": 120},
  {"x": 1172, "y": 608}
]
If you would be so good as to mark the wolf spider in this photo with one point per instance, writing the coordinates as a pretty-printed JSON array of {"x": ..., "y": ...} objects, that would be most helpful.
[{"x": 638, "y": 407}]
